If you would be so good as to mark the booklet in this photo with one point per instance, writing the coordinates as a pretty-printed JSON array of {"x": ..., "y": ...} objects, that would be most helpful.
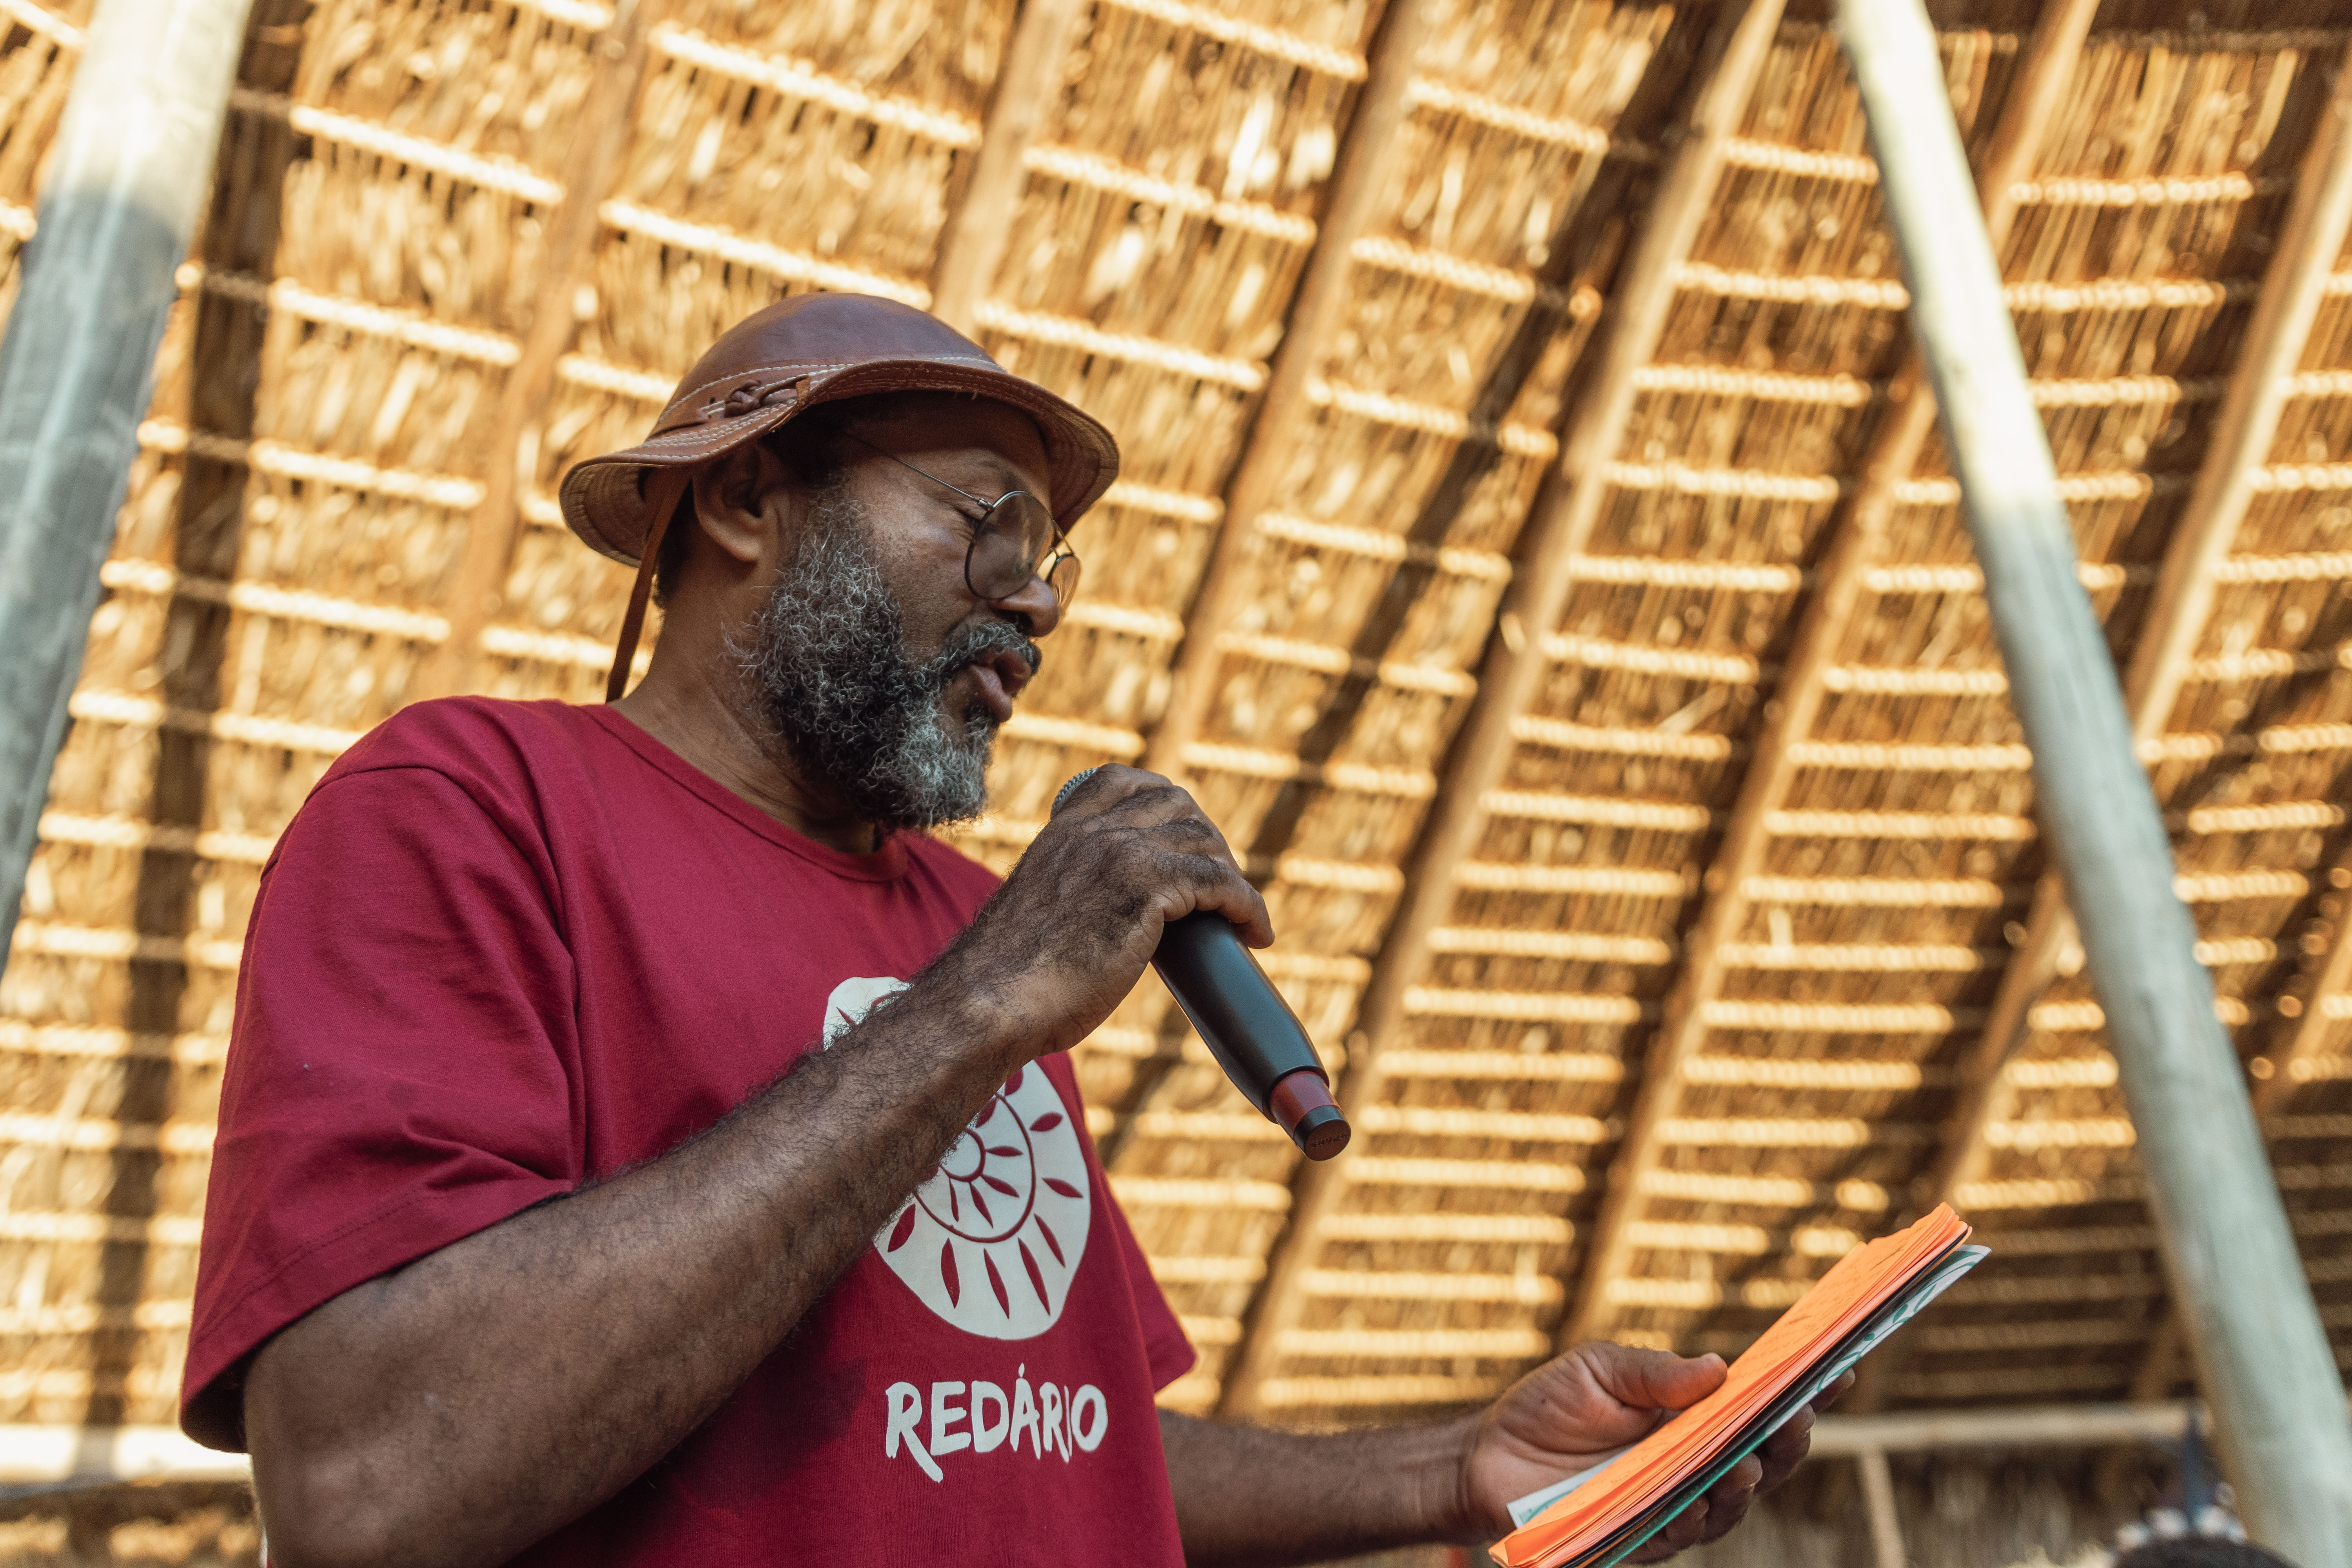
[{"x": 1593, "y": 1519}]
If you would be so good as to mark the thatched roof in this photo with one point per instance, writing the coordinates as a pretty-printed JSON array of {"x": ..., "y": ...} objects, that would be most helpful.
[{"x": 1652, "y": 841}]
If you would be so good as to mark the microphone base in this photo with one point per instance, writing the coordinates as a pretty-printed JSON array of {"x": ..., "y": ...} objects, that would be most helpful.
[
  {"x": 1321, "y": 1133},
  {"x": 1301, "y": 1105}
]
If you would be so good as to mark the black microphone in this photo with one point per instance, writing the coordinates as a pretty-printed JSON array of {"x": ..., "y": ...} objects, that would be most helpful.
[{"x": 1244, "y": 1022}]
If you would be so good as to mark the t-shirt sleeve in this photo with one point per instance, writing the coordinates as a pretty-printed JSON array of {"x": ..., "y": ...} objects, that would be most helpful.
[{"x": 403, "y": 1070}]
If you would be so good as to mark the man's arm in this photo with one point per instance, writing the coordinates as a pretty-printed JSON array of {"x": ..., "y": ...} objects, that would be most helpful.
[
  {"x": 1249, "y": 1498},
  {"x": 1246, "y": 1496},
  {"x": 460, "y": 1408}
]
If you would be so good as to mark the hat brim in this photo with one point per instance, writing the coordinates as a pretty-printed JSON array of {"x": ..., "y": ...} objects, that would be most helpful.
[{"x": 604, "y": 497}]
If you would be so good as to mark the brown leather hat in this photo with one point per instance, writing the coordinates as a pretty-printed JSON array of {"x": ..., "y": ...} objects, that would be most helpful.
[{"x": 811, "y": 349}]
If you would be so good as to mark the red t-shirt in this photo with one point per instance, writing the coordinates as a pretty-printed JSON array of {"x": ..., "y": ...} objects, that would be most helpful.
[{"x": 506, "y": 948}]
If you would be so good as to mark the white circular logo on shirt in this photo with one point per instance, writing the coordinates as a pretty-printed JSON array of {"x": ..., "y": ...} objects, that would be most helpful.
[
  {"x": 852, "y": 1000},
  {"x": 993, "y": 1237}
]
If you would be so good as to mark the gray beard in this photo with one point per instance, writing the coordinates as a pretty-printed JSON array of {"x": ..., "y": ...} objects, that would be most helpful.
[{"x": 826, "y": 666}]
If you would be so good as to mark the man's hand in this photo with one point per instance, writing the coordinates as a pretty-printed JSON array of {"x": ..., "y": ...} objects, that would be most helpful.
[
  {"x": 1249, "y": 1498},
  {"x": 1575, "y": 1411},
  {"x": 1067, "y": 937}
]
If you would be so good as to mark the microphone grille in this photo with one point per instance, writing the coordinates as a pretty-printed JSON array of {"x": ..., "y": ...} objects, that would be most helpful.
[{"x": 1075, "y": 779}]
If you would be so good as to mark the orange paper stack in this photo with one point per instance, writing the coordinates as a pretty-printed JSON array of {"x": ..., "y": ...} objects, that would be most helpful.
[{"x": 1870, "y": 1291}]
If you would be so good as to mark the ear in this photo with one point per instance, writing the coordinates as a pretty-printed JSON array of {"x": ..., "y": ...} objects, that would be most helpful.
[{"x": 744, "y": 502}]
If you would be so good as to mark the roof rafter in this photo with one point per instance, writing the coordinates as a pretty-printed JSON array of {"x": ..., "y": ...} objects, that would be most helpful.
[
  {"x": 974, "y": 241},
  {"x": 2042, "y": 76},
  {"x": 2260, "y": 387},
  {"x": 1285, "y": 404},
  {"x": 1558, "y": 525},
  {"x": 2305, "y": 1034},
  {"x": 1383, "y": 106},
  {"x": 2165, "y": 650},
  {"x": 591, "y": 164},
  {"x": 1559, "y": 297}
]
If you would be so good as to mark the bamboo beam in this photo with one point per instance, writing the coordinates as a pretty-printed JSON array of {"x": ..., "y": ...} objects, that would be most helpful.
[
  {"x": 128, "y": 172},
  {"x": 974, "y": 241},
  {"x": 38, "y": 1457},
  {"x": 592, "y": 162},
  {"x": 1559, "y": 526},
  {"x": 2015, "y": 1426},
  {"x": 1878, "y": 1498},
  {"x": 2243, "y": 431},
  {"x": 2229, "y": 1255},
  {"x": 1357, "y": 190},
  {"x": 1856, "y": 544}
]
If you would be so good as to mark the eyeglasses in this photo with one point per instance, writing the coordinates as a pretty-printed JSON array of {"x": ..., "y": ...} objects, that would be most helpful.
[{"x": 1013, "y": 539}]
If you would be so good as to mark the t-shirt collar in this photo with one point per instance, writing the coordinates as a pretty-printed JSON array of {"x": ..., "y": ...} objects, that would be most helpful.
[{"x": 882, "y": 866}]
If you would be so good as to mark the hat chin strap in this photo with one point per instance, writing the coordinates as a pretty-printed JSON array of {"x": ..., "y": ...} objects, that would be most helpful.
[{"x": 662, "y": 492}]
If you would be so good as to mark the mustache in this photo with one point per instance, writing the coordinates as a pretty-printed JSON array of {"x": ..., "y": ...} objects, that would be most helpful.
[{"x": 976, "y": 644}]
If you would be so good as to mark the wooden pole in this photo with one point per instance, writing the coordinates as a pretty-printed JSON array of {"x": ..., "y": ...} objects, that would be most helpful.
[
  {"x": 591, "y": 164},
  {"x": 2300, "y": 1038},
  {"x": 1357, "y": 188},
  {"x": 974, "y": 241},
  {"x": 2294, "y": 283},
  {"x": 1856, "y": 544},
  {"x": 131, "y": 168},
  {"x": 2161, "y": 1367},
  {"x": 1559, "y": 526},
  {"x": 1878, "y": 1498},
  {"x": 2010, "y": 1427},
  {"x": 2229, "y": 1256}
]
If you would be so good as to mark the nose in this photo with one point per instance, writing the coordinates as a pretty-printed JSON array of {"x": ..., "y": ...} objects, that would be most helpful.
[{"x": 1034, "y": 603}]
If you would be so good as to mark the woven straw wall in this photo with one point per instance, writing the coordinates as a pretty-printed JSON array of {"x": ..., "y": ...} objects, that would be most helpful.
[{"x": 387, "y": 246}]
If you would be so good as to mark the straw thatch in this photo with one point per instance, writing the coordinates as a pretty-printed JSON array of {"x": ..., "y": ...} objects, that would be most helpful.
[
  {"x": 156, "y": 1525},
  {"x": 386, "y": 257}
]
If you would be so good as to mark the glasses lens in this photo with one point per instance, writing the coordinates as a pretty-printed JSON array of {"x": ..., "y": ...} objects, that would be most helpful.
[
  {"x": 1009, "y": 546},
  {"x": 1062, "y": 577}
]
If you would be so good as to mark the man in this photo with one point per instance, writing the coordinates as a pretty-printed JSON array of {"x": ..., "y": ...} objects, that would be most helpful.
[{"x": 641, "y": 1144}]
